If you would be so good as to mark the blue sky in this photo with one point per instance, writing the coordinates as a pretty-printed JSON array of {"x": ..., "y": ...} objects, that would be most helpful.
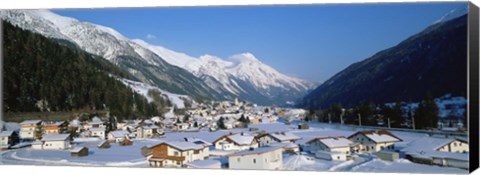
[{"x": 312, "y": 42}]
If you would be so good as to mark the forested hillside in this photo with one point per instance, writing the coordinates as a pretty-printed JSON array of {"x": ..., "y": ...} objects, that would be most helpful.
[{"x": 42, "y": 74}]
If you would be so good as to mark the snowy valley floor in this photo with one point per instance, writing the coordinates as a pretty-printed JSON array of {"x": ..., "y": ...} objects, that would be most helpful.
[{"x": 130, "y": 156}]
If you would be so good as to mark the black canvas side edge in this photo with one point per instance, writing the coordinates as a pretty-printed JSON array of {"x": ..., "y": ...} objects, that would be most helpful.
[{"x": 473, "y": 97}]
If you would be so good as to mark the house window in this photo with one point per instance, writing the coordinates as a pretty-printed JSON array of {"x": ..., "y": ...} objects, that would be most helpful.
[
  {"x": 238, "y": 159},
  {"x": 454, "y": 144},
  {"x": 196, "y": 152},
  {"x": 254, "y": 161},
  {"x": 338, "y": 157},
  {"x": 175, "y": 153},
  {"x": 381, "y": 147}
]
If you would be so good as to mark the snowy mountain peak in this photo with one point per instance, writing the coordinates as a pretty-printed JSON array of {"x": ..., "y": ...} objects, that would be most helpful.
[
  {"x": 455, "y": 13},
  {"x": 244, "y": 57}
]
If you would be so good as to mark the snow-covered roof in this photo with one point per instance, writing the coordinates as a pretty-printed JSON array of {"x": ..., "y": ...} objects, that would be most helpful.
[
  {"x": 97, "y": 129},
  {"x": 55, "y": 137},
  {"x": 379, "y": 136},
  {"x": 183, "y": 145},
  {"x": 199, "y": 141},
  {"x": 77, "y": 149},
  {"x": 150, "y": 127},
  {"x": 284, "y": 136},
  {"x": 29, "y": 122},
  {"x": 260, "y": 150},
  {"x": 119, "y": 133},
  {"x": 426, "y": 147},
  {"x": 241, "y": 139},
  {"x": 94, "y": 123},
  {"x": 6, "y": 133},
  {"x": 333, "y": 142},
  {"x": 209, "y": 163}
]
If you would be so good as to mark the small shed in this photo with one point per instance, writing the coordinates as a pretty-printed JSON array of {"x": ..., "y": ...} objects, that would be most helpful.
[
  {"x": 125, "y": 142},
  {"x": 387, "y": 155},
  {"x": 146, "y": 151},
  {"x": 104, "y": 144},
  {"x": 303, "y": 126},
  {"x": 79, "y": 152}
]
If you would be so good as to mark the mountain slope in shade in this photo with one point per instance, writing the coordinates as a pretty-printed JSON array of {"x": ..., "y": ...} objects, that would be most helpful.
[
  {"x": 242, "y": 75},
  {"x": 432, "y": 61},
  {"x": 108, "y": 43}
]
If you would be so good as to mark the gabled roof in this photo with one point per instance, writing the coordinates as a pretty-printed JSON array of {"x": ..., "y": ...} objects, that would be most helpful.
[
  {"x": 239, "y": 139},
  {"x": 6, "y": 133},
  {"x": 378, "y": 136},
  {"x": 55, "y": 137},
  {"x": 97, "y": 129},
  {"x": 283, "y": 136},
  {"x": 182, "y": 145},
  {"x": 119, "y": 133},
  {"x": 77, "y": 149},
  {"x": 260, "y": 150},
  {"x": 29, "y": 122},
  {"x": 426, "y": 147},
  {"x": 333, "y": 142}
]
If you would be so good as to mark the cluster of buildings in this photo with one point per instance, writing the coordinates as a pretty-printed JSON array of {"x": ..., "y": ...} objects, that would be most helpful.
[{"x": 243, "y": 150}]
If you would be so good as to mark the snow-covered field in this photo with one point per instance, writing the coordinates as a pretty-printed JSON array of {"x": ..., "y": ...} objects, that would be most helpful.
[{"x": 131, "y": 156}]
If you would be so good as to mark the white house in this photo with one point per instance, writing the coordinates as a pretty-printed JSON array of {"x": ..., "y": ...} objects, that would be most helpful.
[
  {"x": 8, "y": 138},
  {"x": 455, "y": 146},
  {"x": 98, "y": 132},
  {"x": 268, "y": 158},
  {"x": 53, "y": 142},
  {"x": 30, "y": 129},
  {"x": 374, "y": 140},
  {"x": 117, "y": 136},
  {"x": 431, "y": 150},
  {"x": 178, "y": 153},
  {"x": 277, "y": 137},
  {"x": 236, "y": 142},
  {"x": 148, "y": 131},
  {"x": 331, "y": 148}
]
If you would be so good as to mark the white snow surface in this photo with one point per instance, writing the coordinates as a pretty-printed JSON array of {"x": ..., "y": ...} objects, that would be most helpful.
[{"x": 142, "y": 89}]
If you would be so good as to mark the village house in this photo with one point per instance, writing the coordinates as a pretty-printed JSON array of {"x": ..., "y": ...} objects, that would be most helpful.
[
  {"x": 30, "y": 129},
  {"x": 117, "y": 136},
  {"x": 97, "y": 132},
  {"x": 177, "y": 153},
  {"x": 8, "y": 139},
  {"x": 56, "y": 128},
  {"x": 148, "y": 131},
  {"x": 267, "y": 158},
  {"x": 93, "y": 124},
  {"x": 53, "y": 142},
  {"x": 374, "y": 140},
  {"x": 79, "y": 152},
  {"x": 331, "y": 148},
  {"x": 435, "y": 151},
  {"x": 455, "y": 146},
  {"x": 276, "y": 137},
  {"x": 236, "y": 142}
]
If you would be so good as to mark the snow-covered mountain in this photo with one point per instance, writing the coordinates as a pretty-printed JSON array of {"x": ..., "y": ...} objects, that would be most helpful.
[
  {"x": 208, "y": 76},
  {"x": 452, "y": 14},
  {"x": 238, "y": 74}
]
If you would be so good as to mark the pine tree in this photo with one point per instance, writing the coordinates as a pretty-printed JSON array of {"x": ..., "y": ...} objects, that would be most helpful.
[{"x": 221, "y": 123}]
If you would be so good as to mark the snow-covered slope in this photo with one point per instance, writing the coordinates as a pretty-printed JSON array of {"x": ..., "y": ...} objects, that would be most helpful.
[{"x": 142, "y": 89}]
